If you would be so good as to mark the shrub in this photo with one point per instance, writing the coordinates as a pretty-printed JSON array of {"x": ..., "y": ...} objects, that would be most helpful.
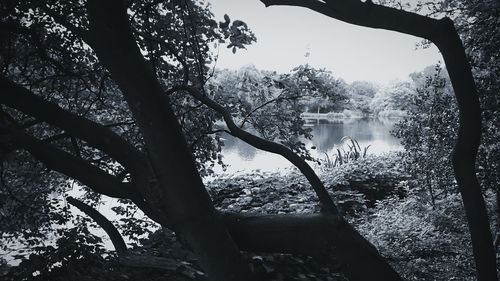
[{"x": 422, "y": 241}]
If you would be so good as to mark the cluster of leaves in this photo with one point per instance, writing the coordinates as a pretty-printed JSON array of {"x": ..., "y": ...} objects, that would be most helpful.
[
  {"x": 393, "y": 99},
  {"x": 360, "y": 95},
  {"x": 478, "y": 25},
  {"x": 132, "y": 223},
  {"x": 376, "y": 177},
  {"x": 428, "y": 132}
]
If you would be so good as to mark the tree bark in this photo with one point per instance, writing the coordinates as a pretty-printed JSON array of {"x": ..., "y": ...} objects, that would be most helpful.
[
  {"x": 177, "y": 188},
  {"x": 443, "y": 34},
  {"x": 68, "y": 164},
  {"x": 103, "y": 222}
]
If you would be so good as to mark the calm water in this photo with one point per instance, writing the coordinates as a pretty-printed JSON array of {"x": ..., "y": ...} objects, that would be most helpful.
[{"x": 327, "y": 136}]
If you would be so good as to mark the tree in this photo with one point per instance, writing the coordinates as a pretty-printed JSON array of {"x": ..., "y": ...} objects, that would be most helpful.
[
  {"x": 393, "y": 98},
  {"x": 444, "y": 35},
  {"x": 360, "y": 95},
  {"x": 65, "y": 64}
]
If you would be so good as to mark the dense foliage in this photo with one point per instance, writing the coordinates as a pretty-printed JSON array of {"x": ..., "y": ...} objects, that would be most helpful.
[{"x": 428, "y": 134}]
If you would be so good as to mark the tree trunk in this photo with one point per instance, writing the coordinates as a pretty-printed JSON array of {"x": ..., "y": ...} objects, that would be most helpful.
[
  {"x": 177, "y": 188},
  {"x": 318, "y": 235},
  {"x": 465, "y": 150}
]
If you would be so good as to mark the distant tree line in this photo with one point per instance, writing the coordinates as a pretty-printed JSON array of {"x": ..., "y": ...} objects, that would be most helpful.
[{"x": 315, "y": 90}]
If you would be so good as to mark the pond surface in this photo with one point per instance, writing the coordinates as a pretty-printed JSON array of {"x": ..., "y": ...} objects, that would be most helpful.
[{"x": 327, "y": 137}]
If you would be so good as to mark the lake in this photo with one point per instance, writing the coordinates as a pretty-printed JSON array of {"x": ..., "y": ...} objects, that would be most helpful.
[{"x": 327, "y": 137}]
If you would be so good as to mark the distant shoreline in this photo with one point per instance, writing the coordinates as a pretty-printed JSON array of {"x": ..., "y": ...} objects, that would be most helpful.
[{"x": 348, "y": 114}]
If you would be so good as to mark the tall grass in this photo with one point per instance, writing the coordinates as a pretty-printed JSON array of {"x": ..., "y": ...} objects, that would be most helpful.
[{"x": 348, "y": 151}]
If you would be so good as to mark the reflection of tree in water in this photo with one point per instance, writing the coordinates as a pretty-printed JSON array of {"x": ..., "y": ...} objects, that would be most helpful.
[
  {"x": 328, "y": 135},
  {"x": 246, "y": 151},
  {"x": 233, "y": 145}
]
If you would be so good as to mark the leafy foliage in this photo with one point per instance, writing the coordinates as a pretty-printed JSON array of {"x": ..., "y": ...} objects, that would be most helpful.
[
  {"x": 73, "y": 255},
  {"x": 270, "y": 104},
  {"x": 428, "y": 135},
  {"x": 393, "y": 100},
  {"x": 343, "y": 156},
  {"x": 354, "y": 186},
  {"x": 478, "y": 25},
  {"x": 423, "y": 241}
]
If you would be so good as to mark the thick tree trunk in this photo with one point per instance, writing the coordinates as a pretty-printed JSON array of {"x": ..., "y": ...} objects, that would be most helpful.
[
  {"x": 177, "y": 188},
  {"x": 318, "y": 235}
]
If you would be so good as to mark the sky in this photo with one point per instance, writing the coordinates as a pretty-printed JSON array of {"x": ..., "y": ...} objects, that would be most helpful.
[{"x": 353, "y": 53}]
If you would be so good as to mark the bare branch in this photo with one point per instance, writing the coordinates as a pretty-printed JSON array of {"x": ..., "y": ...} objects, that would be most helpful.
[{"x": 370, "y": 15}]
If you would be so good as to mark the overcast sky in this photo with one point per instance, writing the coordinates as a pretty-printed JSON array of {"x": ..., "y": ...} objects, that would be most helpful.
[{"x": 286, "y": 34}]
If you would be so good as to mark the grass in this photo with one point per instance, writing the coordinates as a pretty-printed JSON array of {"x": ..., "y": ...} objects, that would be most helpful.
[{"x": 348, "y": 151}]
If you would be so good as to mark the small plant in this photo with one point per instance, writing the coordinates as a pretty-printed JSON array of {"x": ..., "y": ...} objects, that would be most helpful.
[{"x": 348, "y": 151}]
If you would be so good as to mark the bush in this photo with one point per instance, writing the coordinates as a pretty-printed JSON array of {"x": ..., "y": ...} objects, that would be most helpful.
[{"x": 422, "y": 241}]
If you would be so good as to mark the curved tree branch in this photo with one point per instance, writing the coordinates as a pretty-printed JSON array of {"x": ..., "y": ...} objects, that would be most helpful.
[
  {"x": 326, "y": 202},
  {"x": 124, "y": 256},
  {"x": 277, "y": 99},
  {"x": 442, "y": 33},
  {"x": 70, "y": 165},
  {"x": 103, "y": 222},
  {"x": 18, "y": 97}
]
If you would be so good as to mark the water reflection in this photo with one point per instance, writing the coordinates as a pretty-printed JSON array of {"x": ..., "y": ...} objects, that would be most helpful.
[
  {"x": 374, "y": 132},
  {"x": 327, "y": 136}
]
